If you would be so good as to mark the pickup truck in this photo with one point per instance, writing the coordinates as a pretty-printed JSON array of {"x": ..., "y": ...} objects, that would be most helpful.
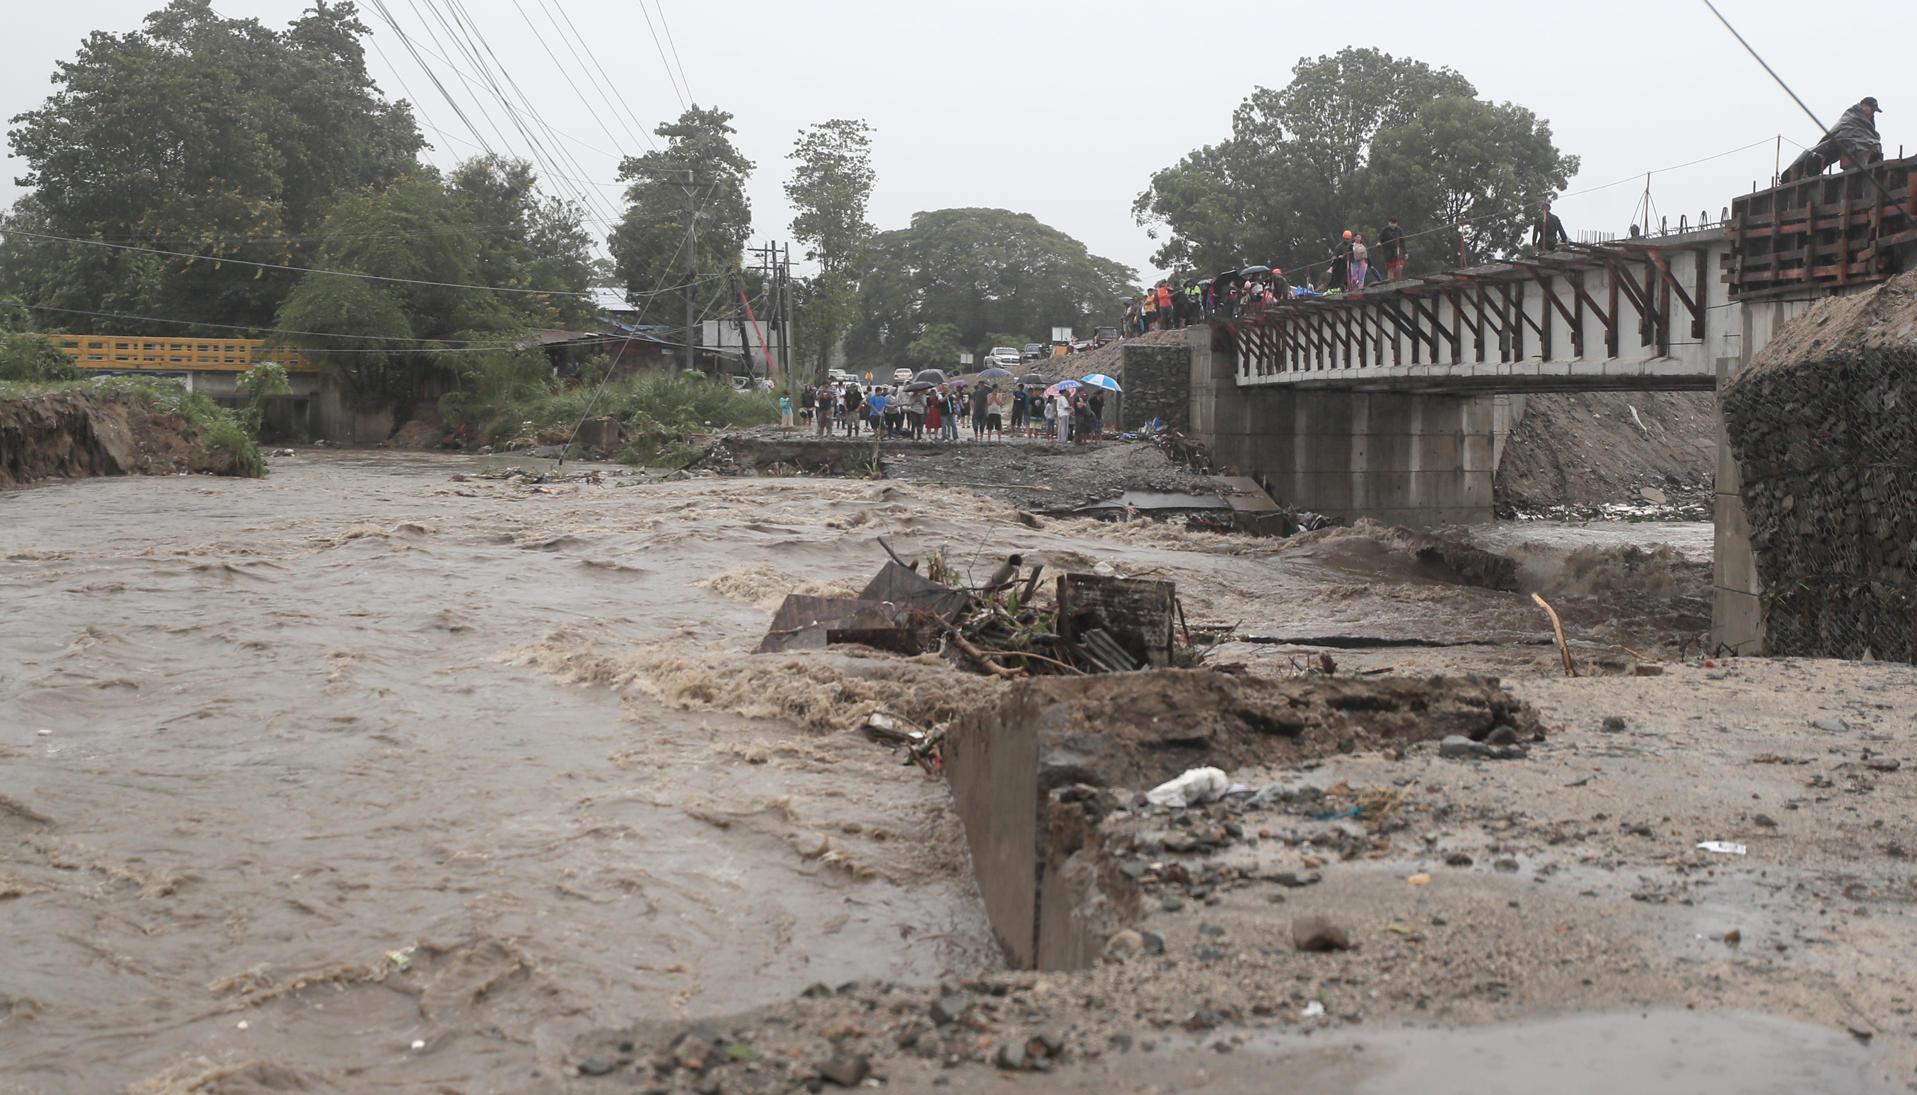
[
  {"x": 1032, "y": 352},
  {"x": 1005, "y": 357}
]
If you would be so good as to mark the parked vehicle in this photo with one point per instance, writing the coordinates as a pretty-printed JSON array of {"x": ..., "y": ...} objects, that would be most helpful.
[
  {"x": 1103, "y": 335},
  {"x": 1032, "y": 352},
  {"x": 839, "y": 376},
  {"x": 901, "y": 376},
  {"x": 1004, "y": 357}
]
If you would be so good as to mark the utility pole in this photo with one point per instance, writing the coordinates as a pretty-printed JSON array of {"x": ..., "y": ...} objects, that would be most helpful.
[
  {"x": 692, "y": 267},
  {"x": 785, "y": 318}
]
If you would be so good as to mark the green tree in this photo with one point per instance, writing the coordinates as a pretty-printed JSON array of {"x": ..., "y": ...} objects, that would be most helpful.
[
  {"x": 25, "y": 355},
  {"x": 525, "y": 240},
  {"x": 361, "y": 331},
  {"x": 1303, "y": 163},
  {"x": 936, "y": 347},
  {"x": 1462, "y": 159},
  {"x": 698, "y": 177},
  {"x": 979, "y": 270},
  {"x": 217, "y": 138},
  {"x": 830, "y": 190}
]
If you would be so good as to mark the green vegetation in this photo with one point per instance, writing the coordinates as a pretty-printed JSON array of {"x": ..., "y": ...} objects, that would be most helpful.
[
  {"x": 507, "y": 398},
  {"x": 222, "y": 430},
  {"x": 979, "y": 271},
  {"x": 262, "y": 380},
  {"x": 1357, "y": 136},
  {"x": 830, "y": 190}
]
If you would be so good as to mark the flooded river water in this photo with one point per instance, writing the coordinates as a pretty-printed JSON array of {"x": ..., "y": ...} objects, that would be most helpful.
[{"x": 363, "y": 776}]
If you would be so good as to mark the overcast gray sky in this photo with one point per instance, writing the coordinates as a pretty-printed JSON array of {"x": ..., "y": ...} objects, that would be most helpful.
[{"x": 1064, "y": 109}]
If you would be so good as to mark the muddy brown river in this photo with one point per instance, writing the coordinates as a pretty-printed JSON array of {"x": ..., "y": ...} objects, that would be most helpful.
[{"x": 364, "y": 777}]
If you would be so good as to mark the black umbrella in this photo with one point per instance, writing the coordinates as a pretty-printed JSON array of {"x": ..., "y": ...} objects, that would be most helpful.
[
  {"x": 1034, "y": 378},
  {"x": 931, "y": 378},
  {"x": 995, "y": 373},
  {"x": 1253, "y": 271},
  {"x": 921, "y": 385},
  {"x": 1232, "y": 273}
]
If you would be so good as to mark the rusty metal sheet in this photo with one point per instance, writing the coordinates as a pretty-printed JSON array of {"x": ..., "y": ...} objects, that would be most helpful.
[
  {"x": 908, "y": 589},
  {"x": 802, "y": 621}
]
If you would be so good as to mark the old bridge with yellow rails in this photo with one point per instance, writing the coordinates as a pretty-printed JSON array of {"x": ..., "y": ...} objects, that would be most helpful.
[
  {"x": 139, "y": 353},
  {"x": 1395, "y": 402}
]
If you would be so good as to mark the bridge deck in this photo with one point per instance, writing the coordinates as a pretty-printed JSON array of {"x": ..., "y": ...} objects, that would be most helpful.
[{"x": 1645, "y": 314}]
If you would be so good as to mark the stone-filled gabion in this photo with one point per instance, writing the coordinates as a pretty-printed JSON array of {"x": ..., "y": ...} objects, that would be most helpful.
[{"x": 1824, "y": 428}]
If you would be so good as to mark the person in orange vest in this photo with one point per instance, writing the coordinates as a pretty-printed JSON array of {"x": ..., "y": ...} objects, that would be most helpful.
[{"x": 1164, "y": 307}]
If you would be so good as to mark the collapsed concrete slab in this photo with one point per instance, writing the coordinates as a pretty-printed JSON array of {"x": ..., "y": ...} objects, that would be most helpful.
[
  {"x": 1034, "y": 775},
  {"x": 1823, "y": 424}
]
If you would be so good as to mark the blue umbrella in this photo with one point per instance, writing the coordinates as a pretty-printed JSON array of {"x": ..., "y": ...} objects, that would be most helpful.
[{"x": 1100, "y": 380}]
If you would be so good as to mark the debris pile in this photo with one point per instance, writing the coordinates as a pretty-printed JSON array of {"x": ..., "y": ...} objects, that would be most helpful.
[
  {"x": 1826, "y": 447},
  {"x": 1009, "y": 626}
]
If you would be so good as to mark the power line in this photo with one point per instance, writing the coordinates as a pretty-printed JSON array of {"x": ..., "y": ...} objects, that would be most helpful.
[
  {"x": 683, "y": 78},
  {"x": 586, "y": 197},
  {"x": 1767, "y": 68},
  {"x": 224, "y": 326},
  {"x": 587, "y": 46},
  {"x": 567, "y": 73},
  {"x": 684, "y": 102},
  {"x": 469, "y": 41},
  {"x": 642, "y": 133},
  {"x": 300, "y": 269}
]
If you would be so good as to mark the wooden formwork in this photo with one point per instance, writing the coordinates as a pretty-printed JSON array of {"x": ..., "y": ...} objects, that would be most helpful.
[{"x": 1825, "y": 231}]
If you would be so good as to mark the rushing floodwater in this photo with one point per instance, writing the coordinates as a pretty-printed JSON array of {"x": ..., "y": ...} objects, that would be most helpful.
[{"x": 278, "y": 802}]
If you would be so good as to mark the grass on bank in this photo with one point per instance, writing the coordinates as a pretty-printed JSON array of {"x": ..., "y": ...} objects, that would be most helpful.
[
  {"x": 511, "y": 399},
  {"x": 221, "y": 429}
]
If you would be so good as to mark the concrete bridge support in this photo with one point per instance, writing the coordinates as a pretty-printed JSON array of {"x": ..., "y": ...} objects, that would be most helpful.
[{"x": 1399, "y": 457}]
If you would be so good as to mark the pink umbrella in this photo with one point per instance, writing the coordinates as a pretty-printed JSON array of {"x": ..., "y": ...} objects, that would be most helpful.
[{"x": 1062, "y": 386}]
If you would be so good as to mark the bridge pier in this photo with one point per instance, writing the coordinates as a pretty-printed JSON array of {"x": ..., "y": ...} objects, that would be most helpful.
[{"x": 1403, "y": 458}]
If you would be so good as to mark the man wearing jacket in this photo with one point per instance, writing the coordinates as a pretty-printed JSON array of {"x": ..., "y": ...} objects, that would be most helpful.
[{"x": 1391, "y": 249}]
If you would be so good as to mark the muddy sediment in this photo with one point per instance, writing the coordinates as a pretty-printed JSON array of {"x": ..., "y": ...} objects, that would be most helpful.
[{"x": 540, "y": 820}]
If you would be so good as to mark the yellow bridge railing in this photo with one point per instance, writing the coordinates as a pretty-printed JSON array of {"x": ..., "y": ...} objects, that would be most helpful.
[{"x": 198, "y": 355}]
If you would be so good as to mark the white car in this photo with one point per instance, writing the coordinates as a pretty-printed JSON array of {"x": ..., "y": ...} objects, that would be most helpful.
[
  {"x": 1005, "y": 357},
  {"x": 901, "y": 376}
]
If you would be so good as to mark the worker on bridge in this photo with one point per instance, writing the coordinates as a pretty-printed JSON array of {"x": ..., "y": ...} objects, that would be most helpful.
[
  {"x": 1548, "y": 233},
  {"x": 1852, "y": 142}
]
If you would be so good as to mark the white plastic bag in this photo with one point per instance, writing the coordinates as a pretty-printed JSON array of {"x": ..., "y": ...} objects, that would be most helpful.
[{"x": 1195, "y": 786}]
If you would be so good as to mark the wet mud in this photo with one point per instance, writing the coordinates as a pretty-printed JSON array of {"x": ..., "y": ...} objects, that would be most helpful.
[{"x": 366, "y": 776}]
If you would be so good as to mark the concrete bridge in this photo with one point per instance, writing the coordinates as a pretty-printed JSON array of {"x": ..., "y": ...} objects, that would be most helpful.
[{"x": 1396, "y": 402}]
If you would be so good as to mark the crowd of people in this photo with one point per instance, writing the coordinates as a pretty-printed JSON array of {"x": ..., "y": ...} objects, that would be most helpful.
[
  {"x": 941, "y": 412},
  {"x": 1180, "y": 302}
]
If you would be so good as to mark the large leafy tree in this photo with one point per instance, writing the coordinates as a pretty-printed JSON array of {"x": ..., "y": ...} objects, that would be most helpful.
[
  {"x": 415, "y": 236},
  {"x": 526, "y": 240},
  {"x": 698, "y": 178},
  {"x": 980, "y": 270},
  {"x": 1340, "y": 147},
  {"x": 216, "y": 138},
  {"x": 1459, "y": 161},
  {"x": 830, "y": 190}
]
